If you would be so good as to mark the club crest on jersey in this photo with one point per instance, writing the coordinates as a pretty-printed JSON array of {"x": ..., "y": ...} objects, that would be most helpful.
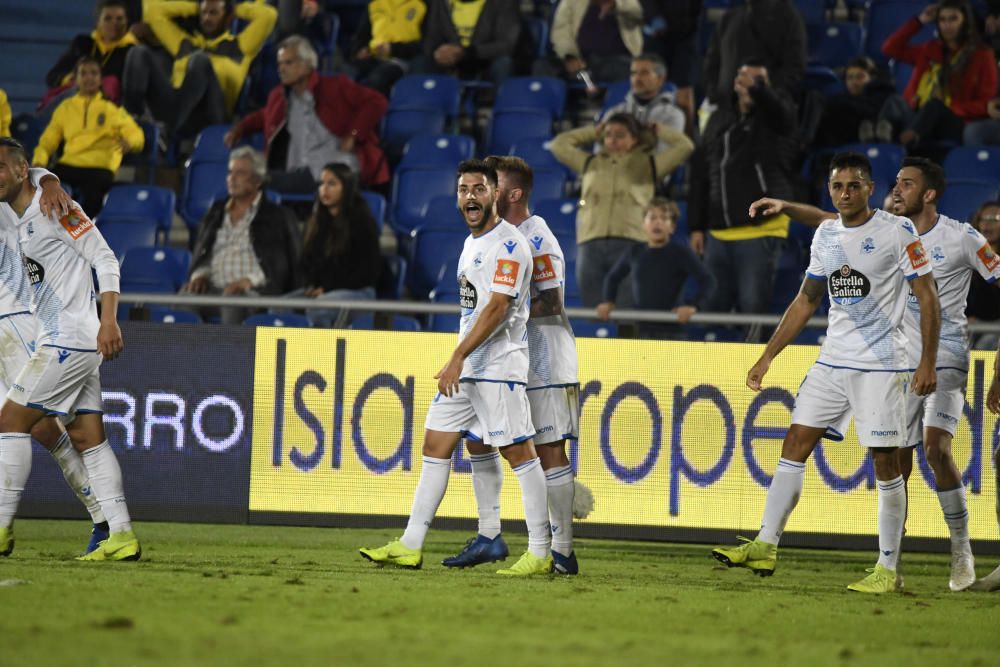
[
  {"x": 543, "y": 269},
  {"x": 868, "y": 245},
  {"x": 76, "y": 223},
  {"x": 849, "y": 286},
  {"x": 506, "y": 273},
  {"x": 989, "y": 258},
  {"x": 917, "y": 255},
  {"x": 477, "y": 261},
  {"x": 937, "y": 253},
  {"x": 536, "y": 241},
  {"x": 510, "y": 245},
  {"x": 467, "y": 296}
]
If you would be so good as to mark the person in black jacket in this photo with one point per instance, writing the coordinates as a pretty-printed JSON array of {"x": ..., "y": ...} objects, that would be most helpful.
[
  {"x": 246, "y": 244},
  {"x": 382, "y": 48},
  {"x": 470, "y": 51},
  {"x": 747, "y": 153},
  {"x": 341, "y": 258}
]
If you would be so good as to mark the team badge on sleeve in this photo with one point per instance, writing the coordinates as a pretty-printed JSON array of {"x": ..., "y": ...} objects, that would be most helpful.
[
  {"x": 506, "y": 273},
  {"x": 989, "y": 258},
  {"x": 543, "y": 269},
  {"x": 76, "y": 223},
  {"x": 918, "y": 257}
]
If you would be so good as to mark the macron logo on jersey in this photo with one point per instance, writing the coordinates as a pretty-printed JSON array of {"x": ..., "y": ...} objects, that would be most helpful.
[
  {"x": 510, "y": 245},
  {"x": 76, "y": 223},
  {"x": 989, "y": 258},
  {"x": 506, "y": 273},
  {"x": 543, "y": 269},
  {"x": 918, "y": 257},
  {"x": 537, "y": 242}
]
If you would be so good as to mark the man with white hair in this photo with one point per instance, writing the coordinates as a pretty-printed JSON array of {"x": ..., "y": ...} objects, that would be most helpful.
[
  {"x": 246, "y": 244},
  {"x": 311, "y": 120}
]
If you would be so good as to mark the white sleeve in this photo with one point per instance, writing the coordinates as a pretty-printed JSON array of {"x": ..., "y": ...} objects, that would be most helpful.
[
  {"x": 815, "y": 269},
  {"x": 546, "y": 264},
  {"x": 980, "y": 254},
  {"x": 913, "y": 260},
  {"x": 79, "y": 233},
  {"x": 511, "y": 264},
  {"x": 36, "y": 174}
]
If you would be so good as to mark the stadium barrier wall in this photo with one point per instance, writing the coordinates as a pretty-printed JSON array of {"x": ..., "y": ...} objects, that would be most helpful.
[{"x": 673, "y": 445}]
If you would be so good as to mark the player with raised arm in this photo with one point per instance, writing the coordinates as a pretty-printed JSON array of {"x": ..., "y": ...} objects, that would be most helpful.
[
  {"x": 956, "y": 250},
  {"x": 62, "y": 376},
  {"x": 553, "y": 387},
  {"x": 17, "y": 338},
  {"x": 863, "y": 259},
  {"x": 481, "y": 390}
]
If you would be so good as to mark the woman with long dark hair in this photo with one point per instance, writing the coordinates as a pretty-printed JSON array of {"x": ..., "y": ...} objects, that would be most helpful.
[
  {"x": 340, "y": 256},
  {"x": 954, "y": 77}
]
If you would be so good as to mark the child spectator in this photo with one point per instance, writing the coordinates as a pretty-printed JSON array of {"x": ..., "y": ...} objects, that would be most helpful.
[
  {"x": 659, "y": 270},
  {"x": 96, "y": 132}
]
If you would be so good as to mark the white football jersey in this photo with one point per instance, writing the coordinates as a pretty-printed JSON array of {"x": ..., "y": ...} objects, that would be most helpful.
[
  {"x": 497, "y": 261},
  {"x": 551, "y": 345},
  {"x": 955, "y": 250},
  {"x": 866, "y": 269},
  {"x": 15, "y": 290},
  {"x": 58, "y": 256}
]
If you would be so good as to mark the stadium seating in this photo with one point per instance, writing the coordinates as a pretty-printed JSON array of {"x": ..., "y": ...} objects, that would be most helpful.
[
  {"x": 401, "y": 125},
  {"x": 393, "y": 277},
  {"x": 376, "y": 203},
  {"x": 823, "y": 79},
  {"x": 430, "y": 151},
  {"x": 397, "y": 323},
  {"x": 813, "y": 12},
  {"x": 423, "y": 92},
  {"x": 173, "y": 316},
  {"x": 962, "y": 198},
  {"x": 149, "y": 156},
  {"x": 559, "y": 214},
  {"x": 445, "y": 323},
  {"x": 278, "y": 320},
  {"x": 509, "y": 127},
  {"x": 431, "y": 250},
  {"x": 536, "y": 93},
  {"x": 27, "y": 129},
  {"x": 836, "y": 44},
  {"x": 593, "y": 328},
  {"x": 123, "y": 236},
  {"x": 156, "y": 266},
  {"x": 536, "y": 152},
  {"x": 571, "y": 291},
  {"x": 413, "y": 190},
  {"x": 146, "y": 202},
  {"x": 203, "y": 181},
  {"x": 549, "y": 184},
  {"x": 973, "y": 163},
  {"x": 884, "y": 17}
]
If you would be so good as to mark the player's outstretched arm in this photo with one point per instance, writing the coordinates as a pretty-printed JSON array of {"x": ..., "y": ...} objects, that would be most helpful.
[
  {"x": 491, "y": 317},
  {"x": 807, "y": 214},
  {"x": 925, "y": 289},
  {"x": 792, "y": 322}
]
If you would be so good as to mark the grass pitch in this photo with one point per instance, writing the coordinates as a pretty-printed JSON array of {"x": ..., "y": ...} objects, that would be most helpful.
[{"x": 259, "y": 595}]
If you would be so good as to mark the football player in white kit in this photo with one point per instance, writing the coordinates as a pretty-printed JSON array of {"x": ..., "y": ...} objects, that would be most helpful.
[
  {"x": 62, "y": 377},
  {"x": 955, "y": 250},
  {"x": 481, "y": 390},
  {"x": 864, "y": 259},
  {"x": 553, "y": 387},
  {"x": 17, "y": 338}
]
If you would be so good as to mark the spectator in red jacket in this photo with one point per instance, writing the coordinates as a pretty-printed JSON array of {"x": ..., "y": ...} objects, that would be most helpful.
[
  {"x": 311, "y": 120},
  {"x": 954, "y": 77}
]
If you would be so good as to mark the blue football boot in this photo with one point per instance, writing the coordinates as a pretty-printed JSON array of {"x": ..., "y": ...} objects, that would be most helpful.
[
  {"x": 479, "y": 550},
  {"x": 99, "y": 534},
  {"x": 565, "y": 564}
]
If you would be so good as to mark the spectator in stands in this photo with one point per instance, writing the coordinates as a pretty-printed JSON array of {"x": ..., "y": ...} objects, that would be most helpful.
[
  {"x": 302, "y": 17},
  {"x": 5, "y": 114},
  {"x": 210, "y": 63},
  {"x": 470, "y": 38},
  {"x": 954, "y": 77},
  {"x": 646, "y": 100},
  {"x": 95, "y": 134},
  {"x": 387, "y": 39},
  {"x": 109, "y": 43},
  {"x": 748, "y": 151},
  {"x": 672, "y": 32},
  {"x": 770, "y": 32},
  {"x": 340, "y": 256},
  {"x": 991, "y": 25},
  {"x": 310, "y": 120},
  {"x": 618, "y": 182},
  {"x": 598, "y": 37},
  {"x": 659, "y": 270},
  {"x": 982, "y": 132},
  {"x": 246, "y": 244},
  {"x": 850, "y": 116},
  {"x": 983, "y": 304}
]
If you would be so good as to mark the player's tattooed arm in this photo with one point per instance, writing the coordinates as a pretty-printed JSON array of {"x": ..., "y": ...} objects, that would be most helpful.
[
  {"x": 547, "y": 303},
  {"x": 813, "y": 289}
]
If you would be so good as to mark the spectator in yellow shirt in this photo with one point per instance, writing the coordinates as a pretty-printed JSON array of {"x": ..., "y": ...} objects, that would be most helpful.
[
  {"x": 4, "y": 114},
  {"x": 95, "y": 134}
]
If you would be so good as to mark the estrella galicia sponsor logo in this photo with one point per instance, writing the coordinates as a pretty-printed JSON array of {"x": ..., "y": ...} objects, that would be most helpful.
[
  {"x": 885, "y": 434},
  {"x": 849, "y": 286},
  {"x": 868, "y": 245},
  {"x": 467, "y": 296},
  {"x": 35, "y": 271}
]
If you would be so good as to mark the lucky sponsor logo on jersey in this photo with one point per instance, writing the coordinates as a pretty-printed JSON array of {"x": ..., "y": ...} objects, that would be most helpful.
[
  {"x": 76, "y": 223},
  {"x": 849, "y": 286},
  {"x": 467, "y": 297},
  {"x": 506, "y": 273},
  {"x": 543, "y": 269},
  {"x": 989, "y": 258},
  {"x": 915, "y": 251}
]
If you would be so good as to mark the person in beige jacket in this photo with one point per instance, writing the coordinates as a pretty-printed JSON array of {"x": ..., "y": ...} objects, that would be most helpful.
[
  {"x": 618, "y": 182},
  {"x": 601, "y": 36}
]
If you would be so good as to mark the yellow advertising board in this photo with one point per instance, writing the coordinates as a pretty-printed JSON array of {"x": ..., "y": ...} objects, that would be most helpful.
[{"x": 670, "y": 436}]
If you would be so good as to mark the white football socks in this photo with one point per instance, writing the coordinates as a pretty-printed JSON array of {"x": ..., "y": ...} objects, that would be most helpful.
[
  {"x": 15, "y": 466},
  {"x": 426, "y": 499},
  {"x": 536, "y": 512},
  {"x": 487, "y": 480},
  {"x": 106, "y": 479},
  {"x": 956, "y": 515},
  {"x": 75, "y": 472},
  {"x": 782, "y": 497},
  {"x": 891, "y": 520},
  {"x": 559, "y": 483}
]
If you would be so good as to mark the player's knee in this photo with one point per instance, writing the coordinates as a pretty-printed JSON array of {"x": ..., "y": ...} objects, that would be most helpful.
[
  {"x": 886, "y": 463},
  {"x": 47, "y": 433},
  {"x": 552, "y": 454}
]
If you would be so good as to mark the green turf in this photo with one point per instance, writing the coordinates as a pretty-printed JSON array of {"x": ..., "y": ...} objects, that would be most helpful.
[{"x": 239, "y": 595}]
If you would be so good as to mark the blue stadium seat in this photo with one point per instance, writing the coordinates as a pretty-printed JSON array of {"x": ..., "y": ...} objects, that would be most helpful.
[
  {"x": 210, "y": 145},
  {"x": 884, "y": 17},
  {"x": 203, "y": 181},
  {"x": 593, "y": 328},
  {"x": 559, "y": 214},
  {"x": 813, "y": 12},
  {"x": 413, "y": 190},
  {"x": 536, "y": 93},
  {"x": 399, "y": 322},
  {"x": 393, "y": 277},
  {"x": 549, "y": 184},
  {"x": 123, "y": 236},
  {"x": 376, "y": 203},
  {"x": 401, "y": 125},
  {"x": 823, "y": 79},
  {"x": 962, "y": 198},
  {"x": 973, "y": 163},
  {"x": 507, "y": 128},
  {"x": 156, "y": 266},
  {"x": 442, "y": 213},
  {"x": 901, "y": 73},
  {"x": 149, "y": 202},
  {"x": 571, "y": 290},
  {"x": 431, "y": 251},
  {"x": 445, "y": 323},
  {"x": 536, "y": 152},
  {"x": 430, "y": 151},
  {"x": 27, "y": 129},
  {"x": 837, "y": 44},
  {"x": 173, "y": 316},
  {"x": 278, "y": 320},
  {"x": 681, "y": 224},
  {"x": 423, "y": 92}
]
